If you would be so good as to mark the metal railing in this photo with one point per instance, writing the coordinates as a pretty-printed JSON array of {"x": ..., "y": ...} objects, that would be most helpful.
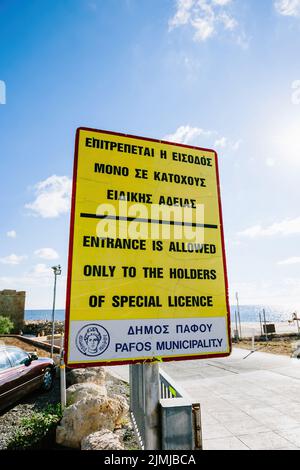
[{"x": 163, "y": 415}]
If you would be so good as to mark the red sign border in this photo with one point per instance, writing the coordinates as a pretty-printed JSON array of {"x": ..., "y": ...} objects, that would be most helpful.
[{"x": 70, "y": 258}]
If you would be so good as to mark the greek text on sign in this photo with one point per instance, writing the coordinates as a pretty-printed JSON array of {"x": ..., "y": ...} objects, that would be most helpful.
[{"x": 147, "y": 272}]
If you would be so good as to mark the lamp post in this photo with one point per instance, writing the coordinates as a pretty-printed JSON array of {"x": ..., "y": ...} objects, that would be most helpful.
[
  {"x": 295, "y": 317},
  {"x": 57, "y": 272},
  {"x": 238, "y": 313}
]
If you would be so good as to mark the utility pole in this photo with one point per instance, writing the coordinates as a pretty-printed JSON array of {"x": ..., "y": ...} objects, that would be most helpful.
[
  {"x": 236, "y": 332},
  {"x": 63, "y": 397},
  {"x": 260, "y": 322},
  {"x": 265, "y": 323},
  {"x": 295, "y": 317},
  {"x": 57, "y": 272},
  {"x": 238, "y": 312}
]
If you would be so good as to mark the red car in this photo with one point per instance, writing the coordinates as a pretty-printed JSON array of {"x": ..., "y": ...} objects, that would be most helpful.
[{"x": 22, "y": 372}]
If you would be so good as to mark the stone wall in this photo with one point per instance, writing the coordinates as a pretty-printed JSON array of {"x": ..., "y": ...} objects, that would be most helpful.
[
  {"x": 42, "y": 327},
  {"x": 12, "y": 305}
]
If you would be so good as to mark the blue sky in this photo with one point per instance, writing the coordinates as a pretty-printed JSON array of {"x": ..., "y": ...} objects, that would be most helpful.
[{"x": 215, "y": 73}]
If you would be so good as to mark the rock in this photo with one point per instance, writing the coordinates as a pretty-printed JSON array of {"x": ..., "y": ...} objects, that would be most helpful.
[
  {"x": 126, "y": 434},
  {"x": 101, "y": 440},
  {"x": 95, "y": 375},
  {"x": 296, "y": 349},
  {"x": 80, "y": 391},
  {"x": 113, "y": 379},
  {"x": 122, "y": 407},
  {"x": 87, "y": 416},
  {"x": 42, "y": 327}
]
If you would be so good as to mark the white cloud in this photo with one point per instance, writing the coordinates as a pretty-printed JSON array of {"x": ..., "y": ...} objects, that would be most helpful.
[
  {"x": 288, "y": 7},
  {"x": 41, "y": 270},
  {"x": 283, "y": 228},
  {"x": 186, "y": 134},
  {"x": 204, "y": 138},
  {"x": 11, "y": 234},
  {"x": 236, "y": 145},
  {"x": 222, "y": 2},
  {"x": 228, "y": 21},
  {"x": 283, "y": 292},
  {"x": 243, "y": 40},
  {"x": 204, "y": 29},
  {"x": 270, "y": 162},
  {"x": 39, "y": 289},
  {"x": 38, "y": 284},
  {"x": 290, "y": 261},
  {"x": 46, "y": 253},
  {"x": 12, "y": 259},
  {"x": 204, "y": 16},
  {"x": 222, "y": 142},
  {"x": 39, "y": 275},
  {"x": 52, "y": 197},
  {"x": 182, "y": 14},
  {"x": 225, "y": 143}
]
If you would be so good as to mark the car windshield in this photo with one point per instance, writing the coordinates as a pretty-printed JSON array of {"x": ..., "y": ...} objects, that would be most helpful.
[
  {"x": 4, "y": 362},
  {"x": 17, "y": 356}
]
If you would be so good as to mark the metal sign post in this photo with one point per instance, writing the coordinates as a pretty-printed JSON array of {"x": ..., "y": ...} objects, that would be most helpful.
[
  {"x": 152, "y": 416},
  {"x": 57, "y": 272},
  {"x": 63, "y": 393}
]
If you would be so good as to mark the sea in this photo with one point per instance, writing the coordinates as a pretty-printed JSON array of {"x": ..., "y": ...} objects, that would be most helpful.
[{"x": 248, "y": 313}]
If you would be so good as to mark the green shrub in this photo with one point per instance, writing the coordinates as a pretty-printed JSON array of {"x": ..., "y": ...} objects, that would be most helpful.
[
  {"x": 34, "y": 430},
  {"x": 6, "y": 325}
]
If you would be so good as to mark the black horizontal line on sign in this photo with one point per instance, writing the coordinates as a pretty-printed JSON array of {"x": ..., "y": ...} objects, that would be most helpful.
[{"x": 147, "y": 221}]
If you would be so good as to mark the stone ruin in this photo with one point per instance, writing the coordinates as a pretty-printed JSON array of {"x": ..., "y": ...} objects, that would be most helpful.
[{"x": 12, "y": 305}]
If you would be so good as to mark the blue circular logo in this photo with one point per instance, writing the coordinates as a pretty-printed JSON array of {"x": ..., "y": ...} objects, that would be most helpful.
[{"x": 92, "y": 340}]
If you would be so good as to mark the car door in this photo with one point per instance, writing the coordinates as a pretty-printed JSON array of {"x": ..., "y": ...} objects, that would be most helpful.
[
  {"x": 23, "y": 378},
  {"x": 7, "y": 380}
]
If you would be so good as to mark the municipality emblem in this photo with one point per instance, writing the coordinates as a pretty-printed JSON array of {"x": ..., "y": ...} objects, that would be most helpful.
[{"x": 92, "y": 340}]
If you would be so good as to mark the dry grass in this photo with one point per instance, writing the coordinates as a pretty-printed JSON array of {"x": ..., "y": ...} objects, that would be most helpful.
[{"x": 284, "y": 345}]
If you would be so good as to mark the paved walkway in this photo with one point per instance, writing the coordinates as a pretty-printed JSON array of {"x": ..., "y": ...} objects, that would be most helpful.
[{"x": 251, "y": 403}]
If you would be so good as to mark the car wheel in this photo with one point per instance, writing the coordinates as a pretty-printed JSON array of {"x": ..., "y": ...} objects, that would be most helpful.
[{"x": 47, "y": 380}]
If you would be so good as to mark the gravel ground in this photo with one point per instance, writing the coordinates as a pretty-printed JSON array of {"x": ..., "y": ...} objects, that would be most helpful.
[{"x": 11, "y": 418}]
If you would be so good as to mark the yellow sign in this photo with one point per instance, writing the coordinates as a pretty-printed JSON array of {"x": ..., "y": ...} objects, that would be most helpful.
[{"x": 147, "y": 272}]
